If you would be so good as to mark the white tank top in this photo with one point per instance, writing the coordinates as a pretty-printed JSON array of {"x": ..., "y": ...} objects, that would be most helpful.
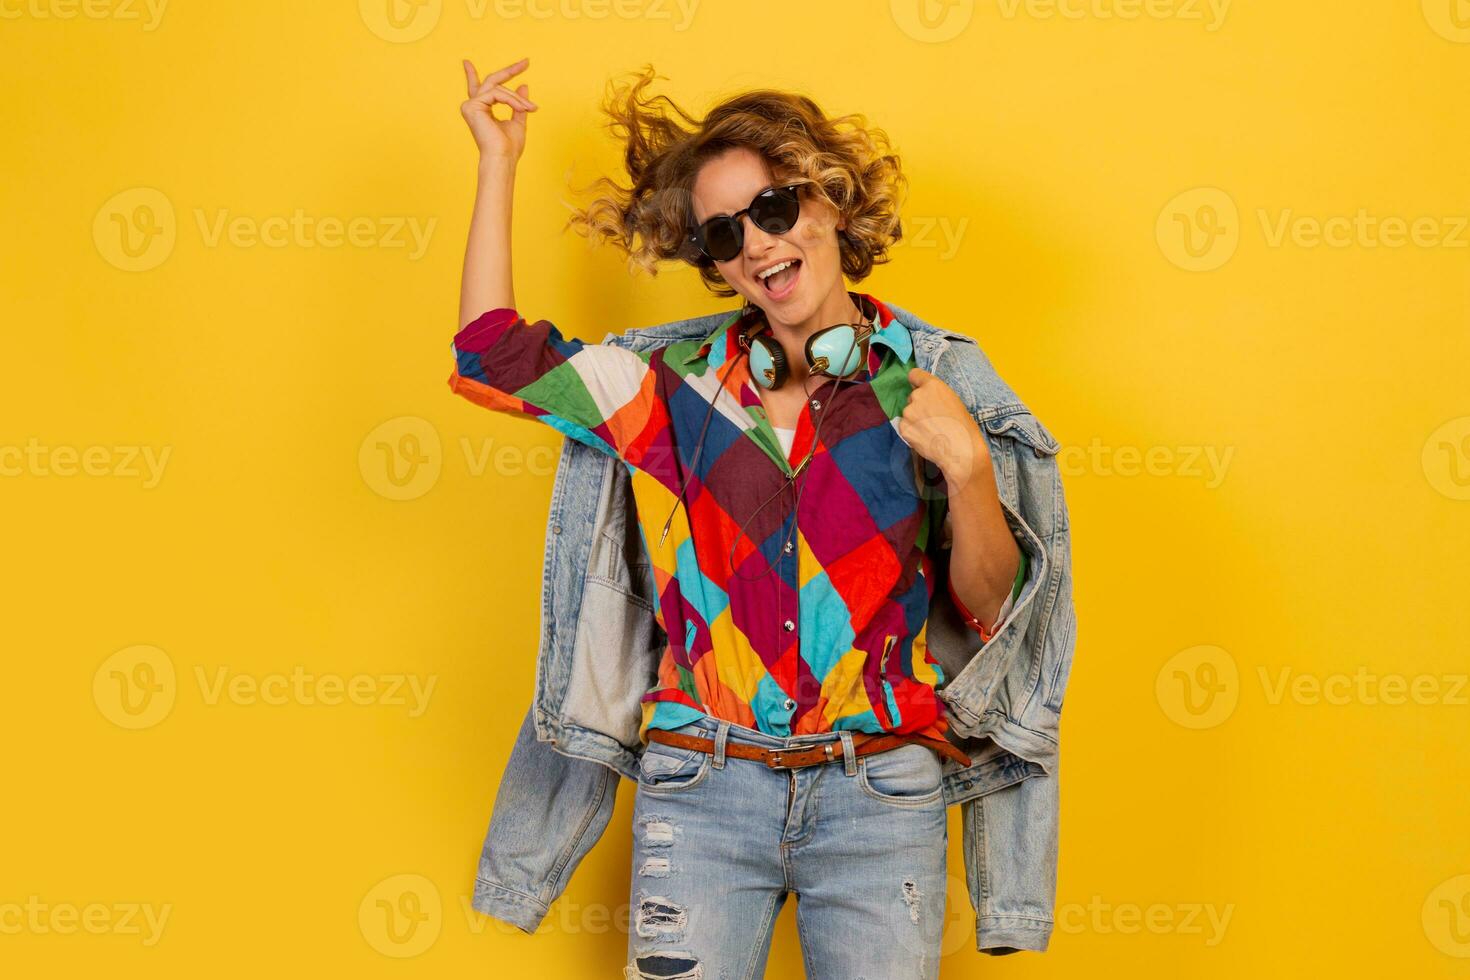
[{"x": 786, "y": 436}]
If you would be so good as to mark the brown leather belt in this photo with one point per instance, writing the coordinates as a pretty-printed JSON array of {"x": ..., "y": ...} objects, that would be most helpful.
[{"x": 863, "y": 743}]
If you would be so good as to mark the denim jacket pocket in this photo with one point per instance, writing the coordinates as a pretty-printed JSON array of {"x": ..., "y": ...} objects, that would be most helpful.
[{"x": 1024, "y": 455}]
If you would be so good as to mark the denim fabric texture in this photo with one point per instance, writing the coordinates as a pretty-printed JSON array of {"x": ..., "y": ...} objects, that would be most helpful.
[{"x": 719, "y": 842}]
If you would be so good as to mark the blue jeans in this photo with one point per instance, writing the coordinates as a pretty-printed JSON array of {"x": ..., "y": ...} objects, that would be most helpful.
[{"x": 718, "y": 842}]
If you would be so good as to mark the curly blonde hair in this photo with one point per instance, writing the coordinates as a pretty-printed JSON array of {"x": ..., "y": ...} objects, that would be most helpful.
[{"x": 843, "y": 163}]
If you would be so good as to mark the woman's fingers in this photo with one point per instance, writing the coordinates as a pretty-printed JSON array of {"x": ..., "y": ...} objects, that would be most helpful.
[
  {"x": 472, "y": 79},
  {"x": 496, "y": 77},
  {"x": 488, "y": 99},
  {"x": 502, "y": 94},
  {"x": 523, "y": 93},
  {"x": 519, "y": 105},
  {"x": 518, "y": 116}
]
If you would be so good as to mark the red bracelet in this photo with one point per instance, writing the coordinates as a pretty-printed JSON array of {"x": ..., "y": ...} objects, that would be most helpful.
[{"x": 968, "y": 617}]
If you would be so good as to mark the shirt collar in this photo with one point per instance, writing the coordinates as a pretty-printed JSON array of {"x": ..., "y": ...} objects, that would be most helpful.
[{"x": 890, "y": 332}]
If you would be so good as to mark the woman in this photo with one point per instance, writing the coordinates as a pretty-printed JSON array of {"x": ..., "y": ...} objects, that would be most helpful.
[{"x": 793, "y": 737}]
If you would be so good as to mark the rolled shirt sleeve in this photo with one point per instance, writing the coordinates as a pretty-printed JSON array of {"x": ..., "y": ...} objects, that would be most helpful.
[
  {"x": 598, "y": 394},
  {"x": 1005, "y": 609}
]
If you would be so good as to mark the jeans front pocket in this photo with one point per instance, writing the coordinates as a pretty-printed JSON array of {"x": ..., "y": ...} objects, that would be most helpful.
[
  {"x": 665, "y": 768},
  {"x": 910, "y": 775}
]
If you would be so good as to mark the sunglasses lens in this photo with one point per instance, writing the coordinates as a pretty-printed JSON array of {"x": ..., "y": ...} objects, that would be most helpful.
[
  {"x": 722, "y": 239},
  {"x": 776, "y": 210}
]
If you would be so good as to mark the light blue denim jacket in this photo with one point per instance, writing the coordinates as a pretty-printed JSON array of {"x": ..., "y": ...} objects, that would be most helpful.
[{"x": 600, "y": 646}]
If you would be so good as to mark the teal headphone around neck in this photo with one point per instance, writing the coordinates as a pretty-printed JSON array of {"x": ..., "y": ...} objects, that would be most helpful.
[{"x": 835, "y": 352}]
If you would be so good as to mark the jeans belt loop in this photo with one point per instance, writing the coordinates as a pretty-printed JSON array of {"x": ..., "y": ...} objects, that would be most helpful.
[
  {"x": 722, "y": 732},
  {"x": 849, "y": 760}
]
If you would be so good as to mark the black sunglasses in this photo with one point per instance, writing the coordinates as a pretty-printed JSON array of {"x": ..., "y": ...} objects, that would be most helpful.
[{"x": 774, "y": 210}]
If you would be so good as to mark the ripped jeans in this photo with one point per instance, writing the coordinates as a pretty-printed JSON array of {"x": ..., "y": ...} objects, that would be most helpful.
[{"x": 718, "y": 843}]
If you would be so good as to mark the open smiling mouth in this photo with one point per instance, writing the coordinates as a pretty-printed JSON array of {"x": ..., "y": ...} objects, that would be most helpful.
[{"x": 780, "y": 283}]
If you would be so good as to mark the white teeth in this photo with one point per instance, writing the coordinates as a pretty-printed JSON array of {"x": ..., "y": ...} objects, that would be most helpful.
[{"x": 767, "y": 273}]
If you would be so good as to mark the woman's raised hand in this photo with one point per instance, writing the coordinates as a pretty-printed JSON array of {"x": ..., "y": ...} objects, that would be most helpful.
[{"x": 503, "y": 138}]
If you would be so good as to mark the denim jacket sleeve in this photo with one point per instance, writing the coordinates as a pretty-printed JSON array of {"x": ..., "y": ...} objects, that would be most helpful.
[{"x": 1005, "y": 692}]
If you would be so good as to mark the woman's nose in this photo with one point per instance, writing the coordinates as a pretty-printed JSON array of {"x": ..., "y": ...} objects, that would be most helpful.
[{"x": 757, "y": 239}]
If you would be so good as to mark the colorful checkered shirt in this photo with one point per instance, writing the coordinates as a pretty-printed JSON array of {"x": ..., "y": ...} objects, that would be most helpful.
[{"x": 818, "y": 627}]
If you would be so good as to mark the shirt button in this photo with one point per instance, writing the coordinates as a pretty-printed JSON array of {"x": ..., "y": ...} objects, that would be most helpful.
[
  {"x": 788, "y": 548},
  {"x": 789, "y": 704},
  {"x": 788, "y": 626},
  {"x": 816, "y": 403}
]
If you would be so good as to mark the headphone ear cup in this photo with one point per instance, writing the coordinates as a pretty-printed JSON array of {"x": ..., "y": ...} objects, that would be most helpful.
[
  {"x": 778, "y": 358},
  {"x": 767, "y": 362}
]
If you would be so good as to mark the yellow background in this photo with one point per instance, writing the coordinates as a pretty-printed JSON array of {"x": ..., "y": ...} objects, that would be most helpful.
[{"x": 1056, "y": 162}]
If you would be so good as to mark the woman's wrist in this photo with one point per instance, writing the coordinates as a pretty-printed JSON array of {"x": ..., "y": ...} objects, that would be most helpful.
[
  {"x": 497, "y": 169},
  {"x": 966, "y": 468}
]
